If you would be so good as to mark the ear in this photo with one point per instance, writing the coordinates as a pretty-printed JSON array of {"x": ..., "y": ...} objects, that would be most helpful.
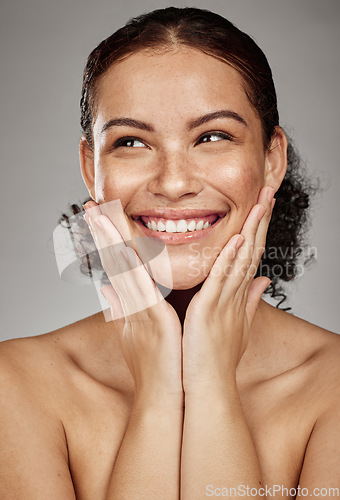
[
  {"x": 86, "y": 160},
  {"x": 276, "y": 159}
]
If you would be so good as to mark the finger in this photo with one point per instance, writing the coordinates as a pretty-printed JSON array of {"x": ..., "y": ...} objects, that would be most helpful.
[
  {"x": 266, "y": 199},
  {"x": 87, "y": 220},
  {"x": 257, "y": 246},
  {"x": 113, "y": 300},
  {"x": 112, "y": 252},
  {"x": 240, "y": 271},
  {"x": 220, "y": 271},
  {"x": 92, "y": 208},
  {"x": 110, "y": 244},
  {"x": 110, "y": 247},
  {"x": 256, "y": 289},
  {"x": 142, "y": 278},
  {"x": 109, "y": 262},
  {"x": 231, "y": 266},
  {"x": 139, "y": 284},
  {"x": 116, "y": 264},
  {"x": 126, "y": 271}
]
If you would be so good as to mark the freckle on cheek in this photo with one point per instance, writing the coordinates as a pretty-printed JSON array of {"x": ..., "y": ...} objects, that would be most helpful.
[{"x": 250, "y": 184}]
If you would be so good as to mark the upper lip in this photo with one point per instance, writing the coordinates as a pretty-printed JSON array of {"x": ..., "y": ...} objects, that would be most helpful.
[{"x": 177, "y": 214}]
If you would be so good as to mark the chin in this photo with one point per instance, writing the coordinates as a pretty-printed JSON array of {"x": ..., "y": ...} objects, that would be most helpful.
[
  {"x": 182, "y": 284},
  {"x": 186, "y": 284},
  {"x": 185, "y": 276},
  {"x": 175, "y": 268}
]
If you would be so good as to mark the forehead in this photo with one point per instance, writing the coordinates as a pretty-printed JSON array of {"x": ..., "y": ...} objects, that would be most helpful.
[{"x": 171, "y": 85}]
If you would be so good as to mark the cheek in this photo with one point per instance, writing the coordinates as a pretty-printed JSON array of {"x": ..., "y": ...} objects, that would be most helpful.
[
  {"x": 241, "y": 184},
  {"x": 111, "y": 186}
]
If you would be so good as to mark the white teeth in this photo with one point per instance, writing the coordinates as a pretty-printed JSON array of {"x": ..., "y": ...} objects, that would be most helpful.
[
  {"x": 182, "y": 226},
  {"x": 160, "y": 226},
  {"x": 191, "y": 226},
  {"x": 170, "y": 226}
]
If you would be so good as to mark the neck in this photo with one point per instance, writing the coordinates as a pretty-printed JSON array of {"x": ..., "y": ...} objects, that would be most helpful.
[{"x": 180, "y": 299}]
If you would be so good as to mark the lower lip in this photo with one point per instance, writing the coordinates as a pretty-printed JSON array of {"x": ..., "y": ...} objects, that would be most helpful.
[{"x": 178, "y": 238}]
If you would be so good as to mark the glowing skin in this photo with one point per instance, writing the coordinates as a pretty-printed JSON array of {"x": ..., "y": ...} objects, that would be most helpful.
[{"x": 173, "y": 168}]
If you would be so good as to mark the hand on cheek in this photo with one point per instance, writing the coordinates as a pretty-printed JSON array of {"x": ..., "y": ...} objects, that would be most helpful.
[
  {"x": 219, "y": 317},
  {"x": 148, "y": 327}
]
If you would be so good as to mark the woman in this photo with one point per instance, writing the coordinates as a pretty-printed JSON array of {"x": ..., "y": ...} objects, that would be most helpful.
[{"x": 210, "y": 391}]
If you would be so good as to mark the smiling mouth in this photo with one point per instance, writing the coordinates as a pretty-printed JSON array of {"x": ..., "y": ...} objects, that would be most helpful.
[{"x": 190, "y": 225}]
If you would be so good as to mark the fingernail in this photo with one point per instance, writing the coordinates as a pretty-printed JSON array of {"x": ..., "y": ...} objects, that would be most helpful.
[
  {"x": 261, "y": 211},
  {"x": 239, "y": 241},
  {"x": 87, "y": 205},
  {"x": 270, "y": 193},
  {"x": 86, "y": 217},
  {"x": 273, "y": 203}
]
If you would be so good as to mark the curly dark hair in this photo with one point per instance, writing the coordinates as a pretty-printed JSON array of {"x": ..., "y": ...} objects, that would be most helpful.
[{"x": 219, "y": 38}]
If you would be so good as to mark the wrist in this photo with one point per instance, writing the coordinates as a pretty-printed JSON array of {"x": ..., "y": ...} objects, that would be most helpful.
[
  {"x": 219, "y": 395},
  {"x": 157, "y": 403},
  {"x": 217, "y": 387}
]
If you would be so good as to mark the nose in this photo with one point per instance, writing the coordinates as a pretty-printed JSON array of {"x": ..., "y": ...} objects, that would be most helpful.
[{"x": 175, "y": 177}]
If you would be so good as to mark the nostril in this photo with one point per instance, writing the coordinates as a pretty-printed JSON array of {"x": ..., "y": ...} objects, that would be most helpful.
[{"x": 175, "y": 186}]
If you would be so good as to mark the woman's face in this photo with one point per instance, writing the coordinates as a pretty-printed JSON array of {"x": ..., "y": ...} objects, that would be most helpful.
[{"x": 176, "y": 158}]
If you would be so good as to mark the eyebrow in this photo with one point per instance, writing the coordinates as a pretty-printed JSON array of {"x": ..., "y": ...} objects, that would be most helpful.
[
  {"x": 222, "y": 113},
  {"x": 127, "y": 122},
  {"x": 195, "y": 123}
]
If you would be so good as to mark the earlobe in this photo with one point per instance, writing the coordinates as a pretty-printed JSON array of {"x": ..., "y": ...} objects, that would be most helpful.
[
  {"x": 276, "y": 159},
  {"x": 86, "y": 160}
]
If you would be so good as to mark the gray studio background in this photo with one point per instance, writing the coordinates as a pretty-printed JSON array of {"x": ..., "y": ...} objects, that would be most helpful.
[{"x": 43, "y": 48}]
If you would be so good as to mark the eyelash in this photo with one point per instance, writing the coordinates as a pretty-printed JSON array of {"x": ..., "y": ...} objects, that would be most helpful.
[
  {"x": 120, "y": 142},
  {"x": 222, "y": 135}
]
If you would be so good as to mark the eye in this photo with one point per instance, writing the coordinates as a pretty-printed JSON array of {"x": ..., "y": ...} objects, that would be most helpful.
[
  {"x": 128, "y": 142},
  {"x": 214, "y": 137}
]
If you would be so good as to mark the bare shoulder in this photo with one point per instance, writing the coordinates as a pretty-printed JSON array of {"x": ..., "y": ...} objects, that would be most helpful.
[
  {"x": 48, "y": 385},
  {"x": 296, "y": 347},
  {"x": 54, "y": 360},
  {"x": 31, "y": 361},
  {"x": 34, "y": 452},
  {"x": 293, "y": 390},
  {"x": 61, "y": 371},
  {"x": 316, "y": 383},
  {"x": 34, "y": 372}
]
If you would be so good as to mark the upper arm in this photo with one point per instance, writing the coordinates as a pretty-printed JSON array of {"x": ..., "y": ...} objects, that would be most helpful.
[
  {"x": 33, "y": 458},
  {"x": 321, "y": 466}
]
